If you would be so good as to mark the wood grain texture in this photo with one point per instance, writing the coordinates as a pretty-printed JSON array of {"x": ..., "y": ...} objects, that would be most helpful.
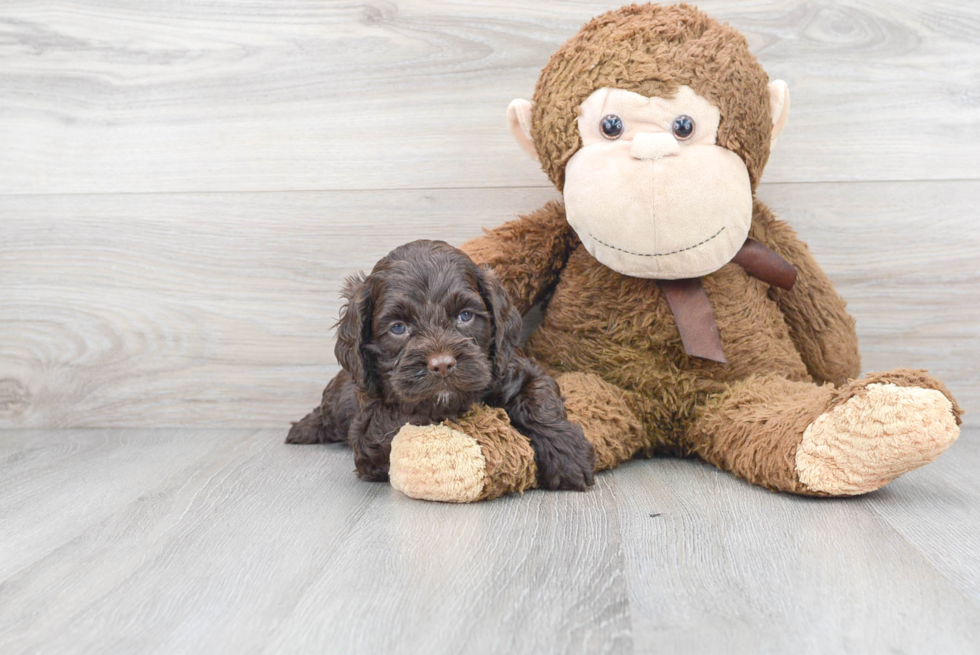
[
  {"x": 945, "y": 492},
  {"x": 262, "y": 547},
  {"x": 194, "y": 558},
  {"x": 208, "y": 309},
  {"x": 50, "y": 493},
  {"x": 716, "y": 563},
  {"x": 540, "y": 573},
  {"x": 228, "y": 541},
  {"x": 215, "y": 309},
  {"x": 109, "y": 96}
]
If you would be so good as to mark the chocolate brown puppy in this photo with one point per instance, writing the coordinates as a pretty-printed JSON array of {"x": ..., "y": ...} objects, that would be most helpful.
[{"x": 421, "y": 339}]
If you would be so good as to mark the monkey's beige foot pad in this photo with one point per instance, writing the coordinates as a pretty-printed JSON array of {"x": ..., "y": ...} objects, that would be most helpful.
[
  {"x": 480, "y": 457},
  {"x": 436, "y": 462},
  {"x": 874, "y": 437}
]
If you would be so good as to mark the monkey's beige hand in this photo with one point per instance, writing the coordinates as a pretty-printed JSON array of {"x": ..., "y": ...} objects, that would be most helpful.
[
  {"x": 445, "y": 463},
  {"x": 879, "y": 433}
]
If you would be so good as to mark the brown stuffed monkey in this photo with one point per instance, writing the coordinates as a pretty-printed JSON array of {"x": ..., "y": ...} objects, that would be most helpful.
[{"x": 681, "y": 317}]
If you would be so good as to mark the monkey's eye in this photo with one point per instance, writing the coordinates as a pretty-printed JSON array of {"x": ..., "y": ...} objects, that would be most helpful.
[
  {"x": 465, "y": 317},
  {"x": 612, "y": 127},
  {"x": 398, "y": 329},
  {"x": 683, "y": 127}
]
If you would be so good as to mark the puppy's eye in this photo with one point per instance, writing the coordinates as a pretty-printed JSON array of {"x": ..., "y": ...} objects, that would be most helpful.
[
  {"x": 465, "y": 317},
  {"x": 398, "y": 329},
  {"x": 612, "y": 127},
  {"x": 683, "y": 127}
]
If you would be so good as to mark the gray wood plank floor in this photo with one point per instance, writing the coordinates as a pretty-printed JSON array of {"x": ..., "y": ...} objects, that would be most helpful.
[{"x": 227, "y": 541}]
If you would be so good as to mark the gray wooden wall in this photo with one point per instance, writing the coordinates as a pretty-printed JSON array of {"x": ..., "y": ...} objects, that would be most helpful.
[{"x": 183, "y": 185}]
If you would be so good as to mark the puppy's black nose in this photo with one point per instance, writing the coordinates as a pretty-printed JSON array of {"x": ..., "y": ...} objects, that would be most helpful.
[{"x": 442, "y": 365}]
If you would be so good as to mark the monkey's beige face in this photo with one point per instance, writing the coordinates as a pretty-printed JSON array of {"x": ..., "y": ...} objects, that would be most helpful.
[{"x": 649, "y": 193}]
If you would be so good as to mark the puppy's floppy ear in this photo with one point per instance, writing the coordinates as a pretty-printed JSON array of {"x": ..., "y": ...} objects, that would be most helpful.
[
  {"x": 504, "y": 318},
  {"x": 354, "y": 334}
]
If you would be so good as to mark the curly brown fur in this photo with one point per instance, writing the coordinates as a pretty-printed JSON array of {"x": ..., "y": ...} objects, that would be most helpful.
[
  {"x": 421, "y": 339},
  {"x": 330, "y": 422}
]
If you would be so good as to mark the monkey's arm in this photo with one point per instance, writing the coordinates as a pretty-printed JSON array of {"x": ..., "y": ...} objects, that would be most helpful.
[
  {"x": 818, "y": 321},
  {"x": 527, "y": 254}
]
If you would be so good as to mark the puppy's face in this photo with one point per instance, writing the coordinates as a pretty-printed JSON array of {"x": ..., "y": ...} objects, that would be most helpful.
[
  {"x": 432, "y": 335},
  {"x": 434, "y": 329}
]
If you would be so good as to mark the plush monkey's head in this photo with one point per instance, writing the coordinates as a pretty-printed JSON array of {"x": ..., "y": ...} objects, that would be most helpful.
[{"x": 655, "y": 122}]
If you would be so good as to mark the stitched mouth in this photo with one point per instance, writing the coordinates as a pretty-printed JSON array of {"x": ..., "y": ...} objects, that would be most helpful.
[{"x": 656, "y": 254}]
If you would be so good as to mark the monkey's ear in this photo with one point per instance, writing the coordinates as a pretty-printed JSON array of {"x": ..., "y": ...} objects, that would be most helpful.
[
  {"x": 354, "y": 334},
  {"x": 519, "y": 121},
  {"x": 779, "y": 108}
]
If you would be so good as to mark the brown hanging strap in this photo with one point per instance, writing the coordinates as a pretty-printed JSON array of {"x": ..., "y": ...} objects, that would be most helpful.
[
  {"x": 764, "y": 264},
  {"x": 695, "y": 318},
  {"x": 692, "y": 310}
]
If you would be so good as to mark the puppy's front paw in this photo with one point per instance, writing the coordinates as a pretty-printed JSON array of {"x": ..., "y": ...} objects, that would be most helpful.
[
  {"x": 566, "y": 462},
  {"x": 371, "y": 460}
]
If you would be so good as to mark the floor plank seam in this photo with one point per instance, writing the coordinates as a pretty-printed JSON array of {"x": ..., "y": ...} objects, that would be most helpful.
[{"x": 621, "y": 559}]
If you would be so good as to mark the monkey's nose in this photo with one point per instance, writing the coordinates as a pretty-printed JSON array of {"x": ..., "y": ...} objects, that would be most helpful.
[
  {"x": 654, "y": 145},
  {"x": 442, "y": 365}
]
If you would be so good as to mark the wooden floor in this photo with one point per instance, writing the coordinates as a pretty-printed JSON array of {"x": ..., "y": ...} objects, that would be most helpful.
[{"x": 227, "y": 541}]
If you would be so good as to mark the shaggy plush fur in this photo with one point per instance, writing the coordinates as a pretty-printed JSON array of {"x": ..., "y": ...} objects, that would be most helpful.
[
  {"x": 621, "y": 331},
  {"x": 867, "y": 441},
  {"x": 782, "y": 412},
  {"x": 509, "y": 456},
  {"x": 422, "y": 339},
  {"x": 455, "y": 467}
]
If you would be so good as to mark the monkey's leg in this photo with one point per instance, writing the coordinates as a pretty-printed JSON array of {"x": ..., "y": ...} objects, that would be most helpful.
[
  {"x": 482, "y": 456},
  {"x": 826, "y": 441},
  {"x": 611, "y": 426},
  {"x": 479, "y": 457}
]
